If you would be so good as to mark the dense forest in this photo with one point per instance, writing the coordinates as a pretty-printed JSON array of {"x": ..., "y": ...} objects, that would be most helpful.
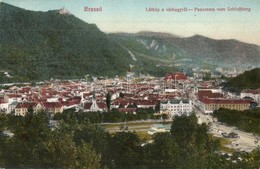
[
  {"x": 247, "y": 120},
  {"x": 81, "y": 144}
]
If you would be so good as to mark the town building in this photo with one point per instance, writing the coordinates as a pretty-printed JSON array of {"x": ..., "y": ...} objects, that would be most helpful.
[
  {"x": 3, "y": 105},
  {"x": 94, "y": 105},
  {"x": 10, "y": 97},
  {"x": 52, "y": 107},
  {"x": 209, "y": 105},
  {"x": 22, "y": 108},
  {"x": 172, "y": 79},
  {"x": 176, "y": 107}
]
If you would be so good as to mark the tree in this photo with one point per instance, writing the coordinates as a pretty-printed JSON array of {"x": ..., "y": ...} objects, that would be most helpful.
[
  {"x": 207, "y": 76},
  {"x": 3, "y": 121},
  {"x": 121, "y": 95},
  {"x": 163, "y": 152},
  {"x": 87, "y": 158},
  {"x": 183, "y": 129},
  {"x": 157, "y": 107},
  {"x": 108, "y": 101},
  {"x": 125, "y": 150},
  {"x": 30, "y": 132},
  {"x": 197, "y": 149},
  {"x": 60, "y": 151}
]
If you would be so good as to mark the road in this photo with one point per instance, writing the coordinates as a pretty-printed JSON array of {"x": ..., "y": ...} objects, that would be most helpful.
[{"x": 245, "y": 141}]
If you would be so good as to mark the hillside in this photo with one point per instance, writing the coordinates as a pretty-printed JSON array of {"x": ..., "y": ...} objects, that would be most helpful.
[
  {"x": 247, "y": 80},
  {"x": 41, "y": 45}
]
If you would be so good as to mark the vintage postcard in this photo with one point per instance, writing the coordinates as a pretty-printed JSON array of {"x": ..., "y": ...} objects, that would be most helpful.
[{"x": 120, "y": 84}]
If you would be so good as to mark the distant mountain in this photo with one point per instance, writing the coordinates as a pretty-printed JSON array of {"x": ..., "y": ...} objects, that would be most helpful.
[
  {"x": 41, "y": 45},
  {"x": 247, "y": 80},
  {"x": 192, "y": 51}
]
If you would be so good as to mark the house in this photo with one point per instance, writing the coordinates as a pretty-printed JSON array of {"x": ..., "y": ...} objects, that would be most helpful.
[
  {"x": 94, "y": 106},
  {"x": 129, "y": 108},
  {"x": 72, "y": 102},
  {"x": 38, "y": 107},
  {"x": 22, "y": 108},
  {"x": 176, "y": 107},
  {"x": 210, "y": 93},
  {"x": 203, "y": 94},
  {"x": 3, "y": 105},
  {"x": 12, "y": 106},
  {"x": 52, "y": 107},
  {"x": 10, "y": 97},
  {"x": 146, "y": 103},
  {"x": 174, "y": 77}
]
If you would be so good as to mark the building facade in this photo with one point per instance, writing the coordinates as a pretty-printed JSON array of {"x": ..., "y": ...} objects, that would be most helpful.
[
  {"x": 209, "y": 105},
  {"x": 176, "y": 107}
]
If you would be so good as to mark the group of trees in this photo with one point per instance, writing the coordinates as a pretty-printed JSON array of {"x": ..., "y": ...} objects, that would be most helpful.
[
  {"x": 34, "y": 145},
  {"x": 247, "y": 120},
  {"x": 81, "y": 144},
  {"x": 109, "y": 117},
  {"x": 247, "y": 80}
]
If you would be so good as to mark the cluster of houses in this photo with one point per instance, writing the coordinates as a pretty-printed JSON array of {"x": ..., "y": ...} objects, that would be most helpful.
[
  {"x": 126, "y": 95},
  {"x": 175, "y": 94}
]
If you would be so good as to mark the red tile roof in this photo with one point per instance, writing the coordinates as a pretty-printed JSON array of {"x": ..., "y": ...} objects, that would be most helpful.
[
  {"x": 2, "y": 101},
  {"x": 224, "y": 101},
  {"x": 14, "y": 95},
  {"x": 102, "y": 105},
  {"x": 25, "y": 105},
  {"x": 128, "y": 110},
  {"x": 146, "y": 102},
  {"x": 49, "y": 105},
  {"x": 208, "y": 94},
  {"x": 176, "y": 75}
]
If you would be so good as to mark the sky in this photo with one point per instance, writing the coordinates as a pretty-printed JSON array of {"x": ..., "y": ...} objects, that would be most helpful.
[{"x": 135, "y": 15}]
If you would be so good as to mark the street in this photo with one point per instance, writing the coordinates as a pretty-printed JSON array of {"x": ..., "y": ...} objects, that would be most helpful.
[{"x": 244, "y": 142}]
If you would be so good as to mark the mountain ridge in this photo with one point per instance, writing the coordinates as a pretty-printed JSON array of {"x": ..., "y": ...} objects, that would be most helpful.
[
  {"x": 216, "y": 53},
  {"x": 39, "y": 45}
]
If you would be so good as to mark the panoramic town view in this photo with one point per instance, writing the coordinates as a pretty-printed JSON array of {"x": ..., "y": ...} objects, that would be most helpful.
[{"x": 73, "y": 95}]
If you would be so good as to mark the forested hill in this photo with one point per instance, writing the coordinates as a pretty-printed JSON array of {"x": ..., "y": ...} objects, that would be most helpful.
[
  {"x": 41, "y": 45},
  {"x": 247, "y": 80}
]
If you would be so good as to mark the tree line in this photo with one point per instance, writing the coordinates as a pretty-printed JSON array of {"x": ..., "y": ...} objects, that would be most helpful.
[
  {"x": 247, "y": 120},
  {"x": 113, "y": 116}
]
